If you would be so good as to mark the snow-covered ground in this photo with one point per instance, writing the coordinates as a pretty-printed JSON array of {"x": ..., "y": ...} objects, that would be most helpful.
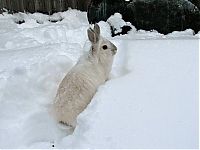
[{"x": 151, "y": 100}]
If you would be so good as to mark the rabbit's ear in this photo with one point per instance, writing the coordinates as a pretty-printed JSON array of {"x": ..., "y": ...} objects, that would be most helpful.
[
  {"x": 97, "y": 30},
  {"x": 92, "y": 36}
]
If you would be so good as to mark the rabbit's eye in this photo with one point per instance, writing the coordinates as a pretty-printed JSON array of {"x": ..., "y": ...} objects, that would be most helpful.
[{"x": 105, "y": 47}]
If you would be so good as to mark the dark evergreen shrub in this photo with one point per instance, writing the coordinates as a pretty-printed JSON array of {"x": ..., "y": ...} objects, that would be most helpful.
[{"x": 164, "y": 16}]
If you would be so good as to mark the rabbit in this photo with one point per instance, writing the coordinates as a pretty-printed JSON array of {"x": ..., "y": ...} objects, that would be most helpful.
[{"x": 81, "y": 83}]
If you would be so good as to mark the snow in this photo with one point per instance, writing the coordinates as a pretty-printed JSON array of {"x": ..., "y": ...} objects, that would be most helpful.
[
  {"x": 116, "y": 21},
  {"x": 150, "y": 101}
]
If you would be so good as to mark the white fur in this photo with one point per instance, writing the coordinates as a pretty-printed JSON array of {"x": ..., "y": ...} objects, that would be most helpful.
[{"x": 80, "y": 84}]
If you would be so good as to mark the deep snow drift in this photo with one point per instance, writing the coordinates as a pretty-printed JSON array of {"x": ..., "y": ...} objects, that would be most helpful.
[{"x": 151, "y": 100}]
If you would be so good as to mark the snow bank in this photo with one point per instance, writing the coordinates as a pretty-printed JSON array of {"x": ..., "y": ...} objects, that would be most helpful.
[
  {"x": 151, "y": 100},
  {"x": 155, "y": 105}
]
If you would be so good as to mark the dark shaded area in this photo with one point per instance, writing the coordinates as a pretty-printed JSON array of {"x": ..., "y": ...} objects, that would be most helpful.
[
  {"x": 39, "y": 22},
  {"x": 20, "y": 21},
  {"x": 164, "y": 16},
  {"x": 54, "y": 20},
  {"x": 125, "y": 30}
]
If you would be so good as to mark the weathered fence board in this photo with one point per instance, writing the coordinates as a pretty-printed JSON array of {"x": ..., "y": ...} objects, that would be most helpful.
[{"x": 44, "y": 6}]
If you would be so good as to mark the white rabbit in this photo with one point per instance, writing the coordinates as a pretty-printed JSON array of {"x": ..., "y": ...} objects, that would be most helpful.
[{"x": 80, "y": 84}]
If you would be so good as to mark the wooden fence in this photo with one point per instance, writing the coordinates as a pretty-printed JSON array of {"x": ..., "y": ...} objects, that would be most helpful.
[{"x": 44, "y": 6}]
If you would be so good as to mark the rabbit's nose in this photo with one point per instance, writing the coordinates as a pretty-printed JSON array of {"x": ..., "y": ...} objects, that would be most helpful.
[{"x": 114, "y": 49}]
